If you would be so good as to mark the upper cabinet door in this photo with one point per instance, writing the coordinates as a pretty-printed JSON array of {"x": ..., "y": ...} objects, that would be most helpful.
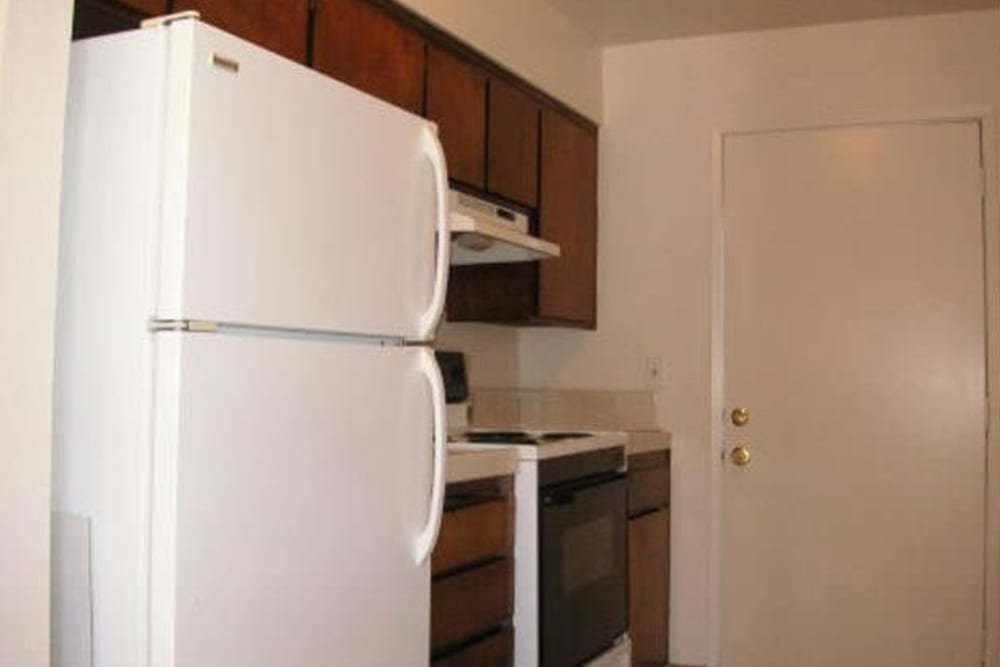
[
  {"x": 512, "y": 170},
  {"x": 361, "y": 45},
  {"x": 456, "y": 101},
  {"x": 281, "y": 26},
  {"x": 93, "y": 17},
  {"x": 568, "y": 216},
  {"x": 151, "y": 7}
]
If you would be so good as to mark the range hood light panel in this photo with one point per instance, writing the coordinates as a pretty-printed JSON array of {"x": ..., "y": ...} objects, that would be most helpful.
[
  {"x": 474, "y": 242},
  {"x": 485, "y": 233}
]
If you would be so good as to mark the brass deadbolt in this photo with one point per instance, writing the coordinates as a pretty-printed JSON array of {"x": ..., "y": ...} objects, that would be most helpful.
[
  {"x": 740, "y": 456},
  {"x": 740, "y": 417}
]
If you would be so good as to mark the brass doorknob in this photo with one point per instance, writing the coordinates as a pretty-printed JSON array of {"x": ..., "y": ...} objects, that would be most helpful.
[
  {"x": 740, "y": 416},
  {"x": 740, "y": 456}
]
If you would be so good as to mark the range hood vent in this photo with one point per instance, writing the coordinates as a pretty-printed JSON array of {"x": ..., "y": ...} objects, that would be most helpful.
[{"x": 485, "y": 233}]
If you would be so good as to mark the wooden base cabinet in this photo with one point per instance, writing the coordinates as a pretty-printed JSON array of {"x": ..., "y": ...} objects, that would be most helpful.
[
  {"x": 472, "y": 591},
  {"x": 649, "y": 586},
  {"x": 495, "y": 650},
  {"x": 649, "y": 557}
]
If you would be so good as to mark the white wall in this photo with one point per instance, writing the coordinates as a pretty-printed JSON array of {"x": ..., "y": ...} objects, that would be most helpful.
[
  {"x": 663, "y": 102},
  {"x": 34, "y": 50},
  {"x": 530, "y": 38},
  {"x": 491, "y": 352}
]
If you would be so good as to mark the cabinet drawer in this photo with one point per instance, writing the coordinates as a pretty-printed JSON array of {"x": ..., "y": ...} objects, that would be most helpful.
[
  {"x": 648, "y": 482},
  {"x": 470, "y": 603},
  {"x": 474, "y": 534},
  {"x": 496, "y": 650}
]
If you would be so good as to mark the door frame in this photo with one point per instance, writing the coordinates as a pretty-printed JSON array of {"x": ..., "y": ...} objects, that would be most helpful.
[{"x": 985, "y": 119}]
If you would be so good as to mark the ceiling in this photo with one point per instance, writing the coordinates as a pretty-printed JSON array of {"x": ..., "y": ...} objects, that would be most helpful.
[{"x": 623, "y": 21}]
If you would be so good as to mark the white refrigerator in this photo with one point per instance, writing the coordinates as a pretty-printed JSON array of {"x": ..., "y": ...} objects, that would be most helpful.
[{"x": 248, "y": 414}]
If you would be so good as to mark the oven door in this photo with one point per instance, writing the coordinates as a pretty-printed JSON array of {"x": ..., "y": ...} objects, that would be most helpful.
[{"x": 584, "y": 569}]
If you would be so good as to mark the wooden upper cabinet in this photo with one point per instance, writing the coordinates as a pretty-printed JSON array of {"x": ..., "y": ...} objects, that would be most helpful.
[
  {"x": 512, "y": 154},
  {"x": 281, "y": 26},
  {"x": 150, "y": 7},
  {"x": 92, "y": 18},
  {"x": 456, "y": 101},
  {"x": 360, "y": 44},
  {"x": 568, "y": 216}
]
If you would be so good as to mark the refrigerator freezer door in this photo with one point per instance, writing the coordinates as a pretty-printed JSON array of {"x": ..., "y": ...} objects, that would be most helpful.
[
  {"x": 295, "y": 201},
  {"x": 291, "y": 484}
]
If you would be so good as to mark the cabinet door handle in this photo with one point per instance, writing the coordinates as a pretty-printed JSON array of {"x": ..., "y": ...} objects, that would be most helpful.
[
  {"x": 428, "y": 536},
  {"x": 435, "y": 155}
]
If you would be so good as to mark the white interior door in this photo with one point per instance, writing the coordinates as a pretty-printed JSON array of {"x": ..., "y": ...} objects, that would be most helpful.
[
  {"x": 291, "y": 481},
  {"x": 293, "y": 200},
  {"x": 855, "y": 338}
]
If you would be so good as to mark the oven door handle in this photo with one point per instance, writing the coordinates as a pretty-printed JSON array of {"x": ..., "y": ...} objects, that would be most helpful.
[
  {"x": 558, "y": 498},
  {"x": 565, "y": 494}
]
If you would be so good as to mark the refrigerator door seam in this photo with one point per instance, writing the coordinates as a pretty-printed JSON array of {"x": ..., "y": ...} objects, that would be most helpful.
[{"x": 233, "y": 328}]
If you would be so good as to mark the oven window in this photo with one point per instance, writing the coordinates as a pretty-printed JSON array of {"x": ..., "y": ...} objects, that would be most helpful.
[{"x": 588, "y": 553}]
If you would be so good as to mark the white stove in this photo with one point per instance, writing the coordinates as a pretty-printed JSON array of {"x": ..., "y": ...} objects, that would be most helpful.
[
  {"x": 570, "y": 602},
  {"x": 570, "y": 490}
]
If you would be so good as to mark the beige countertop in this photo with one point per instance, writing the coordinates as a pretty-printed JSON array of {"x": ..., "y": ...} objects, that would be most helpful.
[
  {"x": 465, "y": 465},
  {"x": 640, "y": 442}
]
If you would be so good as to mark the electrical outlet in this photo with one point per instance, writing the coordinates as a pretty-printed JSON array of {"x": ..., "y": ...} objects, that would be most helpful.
[{"x": 654, "y": 373}]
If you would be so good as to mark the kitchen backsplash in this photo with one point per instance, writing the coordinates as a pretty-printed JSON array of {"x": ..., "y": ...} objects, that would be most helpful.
[{"x": 564, "y": 409}]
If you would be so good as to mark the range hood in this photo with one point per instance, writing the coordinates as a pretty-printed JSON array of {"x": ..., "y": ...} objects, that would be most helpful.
[{"x": 483, "y": 232}]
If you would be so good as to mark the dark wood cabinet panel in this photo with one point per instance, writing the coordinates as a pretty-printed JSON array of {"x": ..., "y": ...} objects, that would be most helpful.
[
  {"x": 649, "y": 556},
  {"x": 150, "y": 7},
  {"x": 360, "y": 44},
  {"x": 92, "y": 18},
  {"x": 568, "y": 216},
  {"x": 471, "y": 603},
  {"x": 493, "y": 293},
  {"x": 456, "y": 101},
  {"x": 474, "y": 534},
  {"x": 281, "y": 26},
  {"x": 512, "y": 153},
  {"x": 496, "y": 650},
  {"x": 649, "y": 586}
]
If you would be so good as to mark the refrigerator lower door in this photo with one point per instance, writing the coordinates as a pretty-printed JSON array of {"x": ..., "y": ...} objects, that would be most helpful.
[
  {"x": 292, "y": 480},
  {"x": 293, "y": 200}
]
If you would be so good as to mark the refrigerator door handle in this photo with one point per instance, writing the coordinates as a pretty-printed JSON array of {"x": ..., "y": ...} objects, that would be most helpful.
[
  {"x": 428, "y": 536},
  {"x": 435, "y": 154}
]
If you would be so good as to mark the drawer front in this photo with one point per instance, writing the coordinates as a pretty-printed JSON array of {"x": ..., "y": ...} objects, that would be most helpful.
[
  {"x": 474, "y": 534},
  {"x": 496, "y": 650},
  {"x": 648, "y": 487},
  {"x": 470, "y": 603}
]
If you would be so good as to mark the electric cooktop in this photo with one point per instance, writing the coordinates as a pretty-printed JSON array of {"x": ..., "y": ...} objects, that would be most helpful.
[{"x": 522, "y": 437}]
